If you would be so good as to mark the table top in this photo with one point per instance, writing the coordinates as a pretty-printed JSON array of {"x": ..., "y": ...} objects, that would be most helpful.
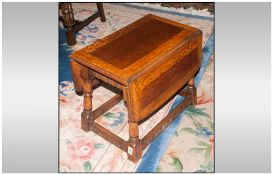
[{"x": 131, "y": 49}]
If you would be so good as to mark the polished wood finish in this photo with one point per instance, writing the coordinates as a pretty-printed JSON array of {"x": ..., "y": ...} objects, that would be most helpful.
[
  {"x": 79, "y": 74},
  {"x": 136, "y": 43},
  {"x": 150, "y": 61},
  {"x": 86, "y": 116},
  {"x": 72, "y": 26}
]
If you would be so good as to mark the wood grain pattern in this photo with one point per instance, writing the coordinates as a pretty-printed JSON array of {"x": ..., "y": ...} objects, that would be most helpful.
[
  {"x": 148, "y": 72},
  {"x": 150, "y": 92},
  {"x": 84, "y": 57},
  {"x": 136, "y": 43}
]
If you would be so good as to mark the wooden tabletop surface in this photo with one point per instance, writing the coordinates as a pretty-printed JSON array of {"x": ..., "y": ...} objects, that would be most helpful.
[{"x": 131, "y": 50}]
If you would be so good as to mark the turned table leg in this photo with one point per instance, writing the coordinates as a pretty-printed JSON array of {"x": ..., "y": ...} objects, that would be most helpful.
[
  {"x": 86, "y": 117},
  {"x": 192, "y": 89},
  {"x": 134, "y": 151},
  {"x": 69, "y": 22}
]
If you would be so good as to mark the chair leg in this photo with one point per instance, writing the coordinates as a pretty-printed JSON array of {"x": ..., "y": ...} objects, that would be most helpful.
[
  {"x": 101, "y": 12},
  {"x": 71, "y": 38},
  {"x": 69, "y": 22}
]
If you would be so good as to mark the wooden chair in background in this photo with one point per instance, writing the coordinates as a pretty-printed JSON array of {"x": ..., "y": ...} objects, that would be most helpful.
[{"x": 72, "y": 26}]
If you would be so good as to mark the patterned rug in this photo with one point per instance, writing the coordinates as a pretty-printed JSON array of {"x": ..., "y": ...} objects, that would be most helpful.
[
  {"x": 195, "y": 134},
  {"x": 88, "y": 152}
]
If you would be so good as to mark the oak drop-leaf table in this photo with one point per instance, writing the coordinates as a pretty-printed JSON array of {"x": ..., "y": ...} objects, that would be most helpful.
[{"x": 149, "y": 62}]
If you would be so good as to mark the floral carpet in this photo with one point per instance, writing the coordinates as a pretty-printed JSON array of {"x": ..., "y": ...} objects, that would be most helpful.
[{"x": 191, "y": 147}]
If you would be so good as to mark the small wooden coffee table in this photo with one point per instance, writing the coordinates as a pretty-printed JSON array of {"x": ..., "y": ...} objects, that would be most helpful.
[{"x": 149, "y": 62}]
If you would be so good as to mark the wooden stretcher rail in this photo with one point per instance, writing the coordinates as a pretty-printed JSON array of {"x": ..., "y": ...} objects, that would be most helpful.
[
  {"x": 82, "y": 24},
  {"x": 109, "y": 136},
  {"x": 145, "y": 141},
  {"x": 106, "y": 106}
]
